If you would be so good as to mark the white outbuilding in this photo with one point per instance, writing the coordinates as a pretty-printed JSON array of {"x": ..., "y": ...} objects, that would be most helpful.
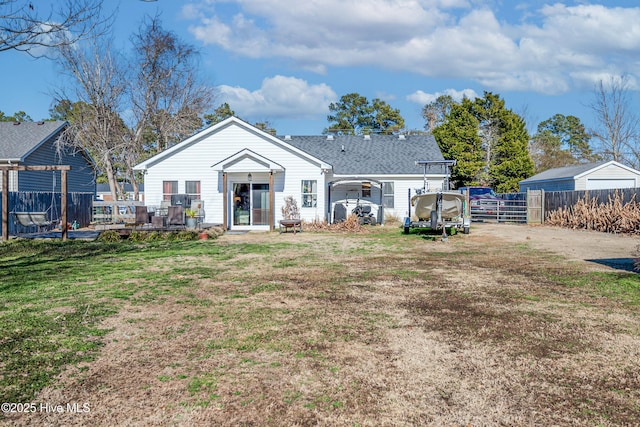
[{"x": 592, "y": 176}]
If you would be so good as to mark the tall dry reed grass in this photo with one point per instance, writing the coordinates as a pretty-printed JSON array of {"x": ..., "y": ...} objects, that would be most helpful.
[{"x": 612, "y": 216}]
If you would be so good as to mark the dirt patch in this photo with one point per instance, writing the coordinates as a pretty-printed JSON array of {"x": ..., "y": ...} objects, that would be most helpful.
[{"x": 599, "y": 249}]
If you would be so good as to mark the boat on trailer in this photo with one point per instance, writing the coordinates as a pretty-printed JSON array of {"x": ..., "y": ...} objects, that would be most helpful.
[{"x": 439, "y": 210}]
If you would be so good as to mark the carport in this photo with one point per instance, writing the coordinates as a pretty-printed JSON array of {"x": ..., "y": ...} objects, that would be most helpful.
[{"x": 345, "y": 194}]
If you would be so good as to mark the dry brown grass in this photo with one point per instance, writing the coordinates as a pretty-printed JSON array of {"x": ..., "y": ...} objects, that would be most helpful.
[
  {"x": 375, "y": 329},
  {"x": 612, "y": 216},
  {"x": 349, "y": 225}
]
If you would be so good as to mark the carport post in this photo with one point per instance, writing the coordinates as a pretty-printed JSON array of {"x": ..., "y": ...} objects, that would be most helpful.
[{"x": 5, "y": 204}]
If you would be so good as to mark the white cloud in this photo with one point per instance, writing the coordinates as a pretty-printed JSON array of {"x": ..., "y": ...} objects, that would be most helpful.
[
  {"x": 279, "y": 97},
  {"x": 546, "y": 50},
  {"x": 423, "y": 98}
]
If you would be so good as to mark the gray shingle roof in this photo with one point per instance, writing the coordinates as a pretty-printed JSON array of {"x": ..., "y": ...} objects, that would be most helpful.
[
  {"x": 18, "y": 140},
  {"x": 379, "y": 155},
  {"x": 567, "y": 172}
]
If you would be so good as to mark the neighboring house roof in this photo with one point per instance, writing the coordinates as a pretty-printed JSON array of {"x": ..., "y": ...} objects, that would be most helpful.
[
  {"x": 573, "y": 172},
  {"x": 19, "y": 139},
  {"x": 372, "y": 155}
]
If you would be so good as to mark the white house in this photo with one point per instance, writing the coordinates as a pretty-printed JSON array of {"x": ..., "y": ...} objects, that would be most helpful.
[
  {"x": 592, "y": 176},
  {"x": 243, "y": 174}
]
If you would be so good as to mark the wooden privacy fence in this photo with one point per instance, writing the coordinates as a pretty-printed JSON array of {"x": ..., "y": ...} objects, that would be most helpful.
[
  {"x": 78, "y": 207},
  {"x": 554, "y": 200}
]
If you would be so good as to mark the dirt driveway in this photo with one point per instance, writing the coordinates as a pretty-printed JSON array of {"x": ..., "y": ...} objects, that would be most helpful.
[{"x": 598, "y": 249}]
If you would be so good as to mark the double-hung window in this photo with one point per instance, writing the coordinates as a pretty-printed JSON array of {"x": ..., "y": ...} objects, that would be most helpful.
[
  {"x": 387, "y": 195},
  {"x": 192, "y": 188},
  {"x": 309, "y": 193},
  {"x": 168, "y": 189}
]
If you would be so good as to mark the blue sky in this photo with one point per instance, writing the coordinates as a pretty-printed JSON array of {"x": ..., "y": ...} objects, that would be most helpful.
[{"x": 284, "y": 61}]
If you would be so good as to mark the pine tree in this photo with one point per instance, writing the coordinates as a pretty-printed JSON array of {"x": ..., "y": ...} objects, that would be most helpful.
[{"x": 489, "y": 142}]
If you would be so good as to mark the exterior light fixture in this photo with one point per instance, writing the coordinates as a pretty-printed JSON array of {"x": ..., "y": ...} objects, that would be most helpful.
[{"x": 249, "y": 177}]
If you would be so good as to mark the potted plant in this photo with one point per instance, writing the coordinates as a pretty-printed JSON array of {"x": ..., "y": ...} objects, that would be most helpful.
[{"x": 191, "y": 217}]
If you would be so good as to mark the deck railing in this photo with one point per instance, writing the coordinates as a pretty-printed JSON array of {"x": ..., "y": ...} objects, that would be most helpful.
[{"x": 115, "y": 212}]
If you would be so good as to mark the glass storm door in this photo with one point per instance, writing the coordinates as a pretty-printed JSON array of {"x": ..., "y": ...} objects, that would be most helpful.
[
  {"x": 260, "y": 204},
  {"x": 251, "y": 204}
]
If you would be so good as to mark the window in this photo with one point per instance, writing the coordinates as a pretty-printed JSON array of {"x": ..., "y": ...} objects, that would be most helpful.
[
  {"x": 366, "y": 190},
  {"x": 192, "y": 188},
  {"x": 169, "y": 188},
  {"x": 387, "y": 194},
  {"x": 309, "y": 193}
]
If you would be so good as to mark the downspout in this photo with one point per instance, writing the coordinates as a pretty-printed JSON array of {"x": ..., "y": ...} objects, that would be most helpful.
[
  {"x": 328, "y": 212},
  {"x": 381, "y": 205},
  {"x": 272, "y": 200},
  {"x": 224, "y": 202}
]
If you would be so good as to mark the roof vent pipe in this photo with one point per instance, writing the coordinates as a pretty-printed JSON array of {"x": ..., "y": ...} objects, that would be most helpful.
[
  {"x": 342, "y": 148},
  {"x": 401, "y": 137},
  {"x": 329, "y": 137}
]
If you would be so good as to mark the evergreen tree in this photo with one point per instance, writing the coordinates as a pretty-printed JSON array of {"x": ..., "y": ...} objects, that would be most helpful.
[
  {"x": 458, "y": 139},
  {"x": 221, "y": 113},
  {"x": 18, "y": 116},
  {"x": 511, "y": 161},
  {"x": 560, "y": 141},
  {"x": 355, "y": 115},
  {"x": 491, "y": 149}
]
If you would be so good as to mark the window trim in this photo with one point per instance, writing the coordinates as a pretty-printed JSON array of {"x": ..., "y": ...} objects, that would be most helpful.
[
  {"x": 309, "y": 193},
  {"x": 391, "y": 195}
]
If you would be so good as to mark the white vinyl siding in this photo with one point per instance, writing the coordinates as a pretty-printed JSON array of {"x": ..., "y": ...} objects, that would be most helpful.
[
  {"x": 611, "y": 176},
  {"x": 194, "y": 161}
]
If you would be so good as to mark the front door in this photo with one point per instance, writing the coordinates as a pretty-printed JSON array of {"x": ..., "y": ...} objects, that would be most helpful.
[{"x": 251, "y": 204}]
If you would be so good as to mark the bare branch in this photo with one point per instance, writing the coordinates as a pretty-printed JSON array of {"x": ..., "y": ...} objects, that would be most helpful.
[
  {"x": 28, "y": 24},
  {"x": 618, "y": 126}
]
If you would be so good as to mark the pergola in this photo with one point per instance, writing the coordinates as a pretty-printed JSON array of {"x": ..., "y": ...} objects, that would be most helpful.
[{"x": 4, "y": 170}]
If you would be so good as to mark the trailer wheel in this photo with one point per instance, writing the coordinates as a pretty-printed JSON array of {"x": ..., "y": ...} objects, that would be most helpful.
[
  {"x": 406, "y": 230},
  {"x": 434, "y": 220},
  {"x": 465, "y": 230}
]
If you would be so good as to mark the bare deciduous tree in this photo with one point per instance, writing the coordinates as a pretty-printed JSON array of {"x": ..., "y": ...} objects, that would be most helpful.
[
  {"x": 27, "y": 24},
  {"x": 96, "y": 126},
  {"x": 168, "y": 98},
  {"x": 134, "y": 110},
  {"x": 618, "y": 126}
]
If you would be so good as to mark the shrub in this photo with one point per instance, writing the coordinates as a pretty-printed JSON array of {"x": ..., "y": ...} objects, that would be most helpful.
[
  {"x": 138, "y": 236},
  {"x": 187, "y": 235},
  {"x": 109, "y": 236},
  {"x": 155, "y": 236}
]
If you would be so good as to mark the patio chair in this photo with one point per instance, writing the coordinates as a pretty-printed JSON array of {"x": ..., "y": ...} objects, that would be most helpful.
[
  {"x": 175, "y": 216},
  {"x": 142, "y": 216},
  {"x": 163, "y": 210},
  {"x": 198, "y": 207}
]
